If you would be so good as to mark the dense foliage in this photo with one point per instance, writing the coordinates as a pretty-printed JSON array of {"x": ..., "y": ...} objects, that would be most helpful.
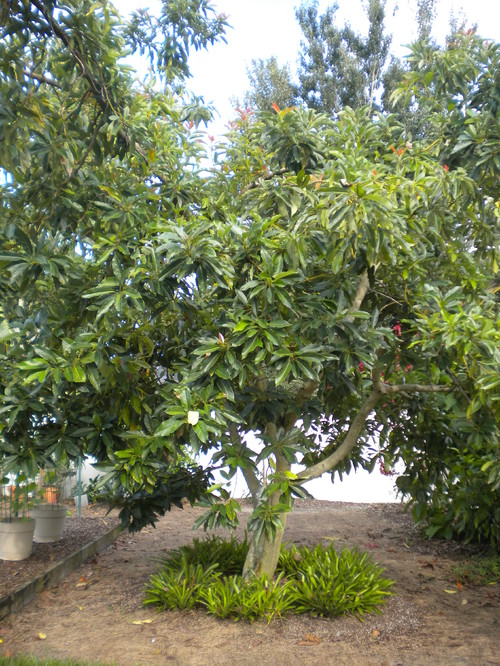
[
  {"x": 94, "y": 161},
  {"x": 318, "y": 581},
  {"x": 329, "y": 288}
]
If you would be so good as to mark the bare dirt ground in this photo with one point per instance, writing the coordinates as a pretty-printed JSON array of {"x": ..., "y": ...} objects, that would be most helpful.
[{"x": 96, "y": 614}]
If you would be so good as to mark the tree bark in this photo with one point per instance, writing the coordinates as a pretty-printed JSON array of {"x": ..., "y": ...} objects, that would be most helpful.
[{"x": 263, "y": 552}]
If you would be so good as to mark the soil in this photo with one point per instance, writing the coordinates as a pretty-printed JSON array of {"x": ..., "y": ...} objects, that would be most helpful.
[{"x": 96, "y": 614}]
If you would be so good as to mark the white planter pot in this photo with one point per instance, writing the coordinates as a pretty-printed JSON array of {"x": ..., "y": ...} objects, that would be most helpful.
[
  {"x": 84, "y": 501},
  {"x": 49, "y": 520},
  {"x": 16, "y": 539}
]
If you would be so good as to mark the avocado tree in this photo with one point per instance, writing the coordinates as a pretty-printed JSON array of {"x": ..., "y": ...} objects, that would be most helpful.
[
  {"x": 361, "y": 302},
  {"x": 327, "y": 283},
  {"x": 94, "y": 159}
]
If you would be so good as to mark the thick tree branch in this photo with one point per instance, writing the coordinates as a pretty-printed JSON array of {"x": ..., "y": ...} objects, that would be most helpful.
[
  {"x": 358, "y": 423},
  {"x": 363, "y": 286},
  {"x": 253, "y": 483},
  {"x": 415, "y": 388},
  {"x": 350, "y": 440}
]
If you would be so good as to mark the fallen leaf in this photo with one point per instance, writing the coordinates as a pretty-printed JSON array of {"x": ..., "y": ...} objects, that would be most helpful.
[
  {"x": 309, "y": 639},
  {"x": 141, "y": 621},
  {"x": 459, "y": 585},
  {"x": 80, "y": 607},
  {"x": 451, "y": 591},
  {"x": 375, "y": 632},
  {"x": 464, "y": 601},
  {"x": 1, "y": 641},
  {"x": 42, "y": 636}
]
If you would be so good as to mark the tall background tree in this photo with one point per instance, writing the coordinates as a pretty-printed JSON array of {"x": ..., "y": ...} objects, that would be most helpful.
[
  {"x": 330, "y": 282},
  {"x": 337, "y": 66},
  {"x": 269, "y": 84}
]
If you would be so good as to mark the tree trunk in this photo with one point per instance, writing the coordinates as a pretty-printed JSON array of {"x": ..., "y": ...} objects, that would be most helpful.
[{"x": 263, "y": 554}]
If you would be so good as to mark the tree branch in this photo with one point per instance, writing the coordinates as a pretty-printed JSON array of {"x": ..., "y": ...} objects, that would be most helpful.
[
  {"x": 86, "y": 152},
  {"x": 268, "y": 176},
  {"x": 350, "y": 440},
  {"x": 41, "y": 79},
  {"x": 253, "y": 483},
  {"x": 97, "y": 90},
  {"x": 415, "y": 388},
  {"x": 358, "y": 423},
  {"x": 251, "y": 479},
  {"x": 363, "y": 286}
]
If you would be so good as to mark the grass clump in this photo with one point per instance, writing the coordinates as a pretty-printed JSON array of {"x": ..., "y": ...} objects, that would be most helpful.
[
  {"x": 318, "y": 581},
  {"x": 482, "y": 569}
]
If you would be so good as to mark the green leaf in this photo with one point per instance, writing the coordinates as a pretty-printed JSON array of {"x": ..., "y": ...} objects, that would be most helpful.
[
  {"x": 168, "y": 428},
  {"x": 283, "y": 373}
]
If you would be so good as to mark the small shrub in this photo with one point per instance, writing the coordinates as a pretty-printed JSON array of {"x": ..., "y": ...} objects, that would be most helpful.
[
  {"x": 248, "y": 600},
  {"x": 179, "y": 587},
  {"x": 228, "y": 556},
  {"x": 328, "y": 583},
  {"x": 317, "y": 581},
  {"x": 222, "y": 597}
]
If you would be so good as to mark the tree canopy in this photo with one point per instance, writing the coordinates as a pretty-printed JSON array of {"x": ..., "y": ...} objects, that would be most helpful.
[
  {"x": 329, "y": 286},
  {"x": 337, "y": 66}
]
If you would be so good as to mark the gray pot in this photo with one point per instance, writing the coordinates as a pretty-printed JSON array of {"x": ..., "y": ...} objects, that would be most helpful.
[
  {"x": 49, "y": 522},
  {"x": 16, "y": 539}
]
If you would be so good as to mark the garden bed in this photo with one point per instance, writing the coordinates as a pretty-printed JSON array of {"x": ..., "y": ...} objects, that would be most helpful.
[{"x": 96, "y": 614}]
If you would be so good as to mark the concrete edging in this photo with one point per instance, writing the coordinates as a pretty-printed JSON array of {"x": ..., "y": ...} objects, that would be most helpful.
[{"x": 14, "y": 601}]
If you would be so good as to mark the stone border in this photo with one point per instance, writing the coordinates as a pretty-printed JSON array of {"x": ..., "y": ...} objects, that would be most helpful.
[{"x": 14, "y": 601}]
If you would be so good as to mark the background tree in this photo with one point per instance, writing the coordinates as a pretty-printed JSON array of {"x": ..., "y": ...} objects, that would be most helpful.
[
  {"x": 338, "y": 67},
  {"x": 269, "y": 84},
  {"x": 426, "y": 15}
]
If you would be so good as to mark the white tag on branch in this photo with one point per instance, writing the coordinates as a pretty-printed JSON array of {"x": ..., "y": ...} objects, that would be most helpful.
[{"x": 193, "y": 418}]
